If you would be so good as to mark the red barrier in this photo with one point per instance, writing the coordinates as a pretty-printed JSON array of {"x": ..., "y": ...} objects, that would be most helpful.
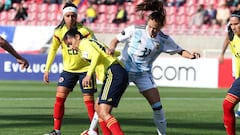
[{"x": 225, "y": 77}]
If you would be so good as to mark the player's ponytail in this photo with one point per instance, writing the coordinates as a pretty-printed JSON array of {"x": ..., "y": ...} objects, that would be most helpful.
[
  {"x": 150, "y": 5},
  {"x": 158, "y": 14}
]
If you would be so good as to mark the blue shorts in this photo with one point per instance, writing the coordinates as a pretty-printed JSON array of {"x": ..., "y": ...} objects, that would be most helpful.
[
  {"x": 235, "y": 88},
  {"x": 114, "y": 85},
  {"x": 69, "y": 80},
  {"x": 143, "y": 80}
]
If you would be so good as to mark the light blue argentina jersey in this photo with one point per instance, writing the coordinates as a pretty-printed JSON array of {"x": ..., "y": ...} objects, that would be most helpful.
[{"x": 141, "y": 50}]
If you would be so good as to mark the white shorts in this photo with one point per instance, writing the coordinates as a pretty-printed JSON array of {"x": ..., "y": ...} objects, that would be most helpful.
[{"x": 143, "y": 80}]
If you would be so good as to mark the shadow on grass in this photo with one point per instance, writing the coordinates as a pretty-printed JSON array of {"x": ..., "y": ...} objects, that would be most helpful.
[{"x": 131, "y": 126}]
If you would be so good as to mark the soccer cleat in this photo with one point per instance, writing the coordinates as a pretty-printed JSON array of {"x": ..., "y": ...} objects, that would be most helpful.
[
  {"x": 237, "y": 114},
  {"x": 53, "y": 133}
]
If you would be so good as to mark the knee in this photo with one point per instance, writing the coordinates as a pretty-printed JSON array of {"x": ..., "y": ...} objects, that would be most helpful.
[
  {"x": 157, "y": 106},
  {"x": 103, "y": 114}
]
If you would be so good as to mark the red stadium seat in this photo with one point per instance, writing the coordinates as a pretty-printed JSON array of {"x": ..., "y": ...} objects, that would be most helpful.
[
  {"x": 51, "y": 16},
  {"x": 82, "y": 9},
  {"x": 43, "y": 7},
  {"x": 4, "y": 15},
  {"x": 32, "y": 16},
  {"x": 102, "y": 18},
  {"x": 33, "y": 7},
  {"x": 11, "y": 14},
  {"x": 12, "y": 23},
  {"x": 42, "y": 16},
  {"x": 191, "y": 2},
  {"x": 170, "y": 19},
  {"x": 53, "y": 8},
  {"x": 181, "y": 11},
  {"x": 3, "y": 22},
  {"x": 22, "y": 22},
  {"x": 190, "y": 10},
  {"x": 130, "y": 8},
  {"x": 110, "y": 18},
  {"x": 112, "y": 9},
  {"x": 201, "y": 2},
  {"x": 171, "y": 10},
  {"x": 132, "y": 19},
  {"x": 102, "y": 9},
  {"x": 181, "y": 20}
]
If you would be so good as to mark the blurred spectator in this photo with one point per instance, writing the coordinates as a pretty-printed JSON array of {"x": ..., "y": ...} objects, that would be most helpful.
[
  {"x": 90, "y": 15},
  {"x": 5, "y": 5},
  {"x": 210, "y": 15},
  {"x": 197, "y": 18},
  {"x": 52, "y": 1},
  {"x": 232, "y": 3},
  {"x": 223, "y": 13},
  {"x": 121, "y": 15},
  {"x": 21, "y": 12},
  {"x": 176, "y": 3}
]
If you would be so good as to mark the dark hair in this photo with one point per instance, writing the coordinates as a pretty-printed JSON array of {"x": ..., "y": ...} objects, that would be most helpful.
[
  {"x": 72, "y": 33},
  {"x": 236, "y": 14},
  {"x": 68, "y": 4},
  {"x": 158, "y": 14}
]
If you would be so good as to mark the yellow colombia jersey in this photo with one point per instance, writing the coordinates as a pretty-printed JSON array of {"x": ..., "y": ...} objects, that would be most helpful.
[
  {"x": 235, "y": 49},
  {"x": 72, "y": 61},
  {"x": 94, "y": 52}
]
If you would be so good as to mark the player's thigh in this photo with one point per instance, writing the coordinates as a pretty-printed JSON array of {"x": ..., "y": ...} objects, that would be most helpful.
[
  {"x": 67, "y": 80},
  {"x": 235, "y": 89},
  {"x": 92, "y": 88},
  {"x": 114, "y": 85}
]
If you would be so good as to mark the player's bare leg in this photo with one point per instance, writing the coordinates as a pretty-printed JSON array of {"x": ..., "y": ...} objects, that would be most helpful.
[{"x": 153, "y": 97}]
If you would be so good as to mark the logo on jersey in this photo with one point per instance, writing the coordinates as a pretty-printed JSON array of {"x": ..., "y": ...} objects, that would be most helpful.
[
  {"x": 123, "y": 33},
  {"x": 61, "y": 79},
  {"x": 109, "y": 100}
]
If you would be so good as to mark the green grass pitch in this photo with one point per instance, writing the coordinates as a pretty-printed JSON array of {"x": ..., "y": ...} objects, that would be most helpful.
[{"x": 26, "y": 109}]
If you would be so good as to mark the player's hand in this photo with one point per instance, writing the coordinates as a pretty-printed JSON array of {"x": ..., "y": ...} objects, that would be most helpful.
[
  {"x": 196, "y": 55},
  {"x": 221, "y": 58},
  {"x": 23, "y": 63},
  {"x": 46, "y": 78},
  {"x": 86, "y": 82},
  {"x": 110, "y": 51}
]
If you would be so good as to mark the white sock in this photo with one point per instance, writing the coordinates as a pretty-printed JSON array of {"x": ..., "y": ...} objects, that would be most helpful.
[
  {"x": 94, "y": 122},
  {"x": 160, "y": 121},
  {"x": 57, "y": 131},
  {"x": 238, "y": 107}
]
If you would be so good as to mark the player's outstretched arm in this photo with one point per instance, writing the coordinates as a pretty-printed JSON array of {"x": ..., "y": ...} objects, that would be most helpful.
[
  {"x": 6, "y": 46},
  {"x": 187, "y": 54}
]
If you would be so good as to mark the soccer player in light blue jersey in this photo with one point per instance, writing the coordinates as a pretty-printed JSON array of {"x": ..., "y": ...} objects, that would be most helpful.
[{"x": 143, "y": 44}]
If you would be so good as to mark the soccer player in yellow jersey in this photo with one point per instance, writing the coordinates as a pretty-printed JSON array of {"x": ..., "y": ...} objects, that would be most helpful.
[
  {"x": 74, "y": 67},
  {"x": 233, "y": 95},
  {"x": 108, "y": 70}
]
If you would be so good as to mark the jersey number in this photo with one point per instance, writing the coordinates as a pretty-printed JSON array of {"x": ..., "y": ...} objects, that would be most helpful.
[
  {"x": 72, "y": 52},
  {"x": 146, "y": 52}
]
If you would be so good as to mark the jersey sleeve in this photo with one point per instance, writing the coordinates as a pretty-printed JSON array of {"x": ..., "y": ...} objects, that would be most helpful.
[
  {"x": 52, "y": 51},
  {"x": 91, "y": 54},
  {"x": 171, "y": 47},
  {"x": 126, "y": 33}
]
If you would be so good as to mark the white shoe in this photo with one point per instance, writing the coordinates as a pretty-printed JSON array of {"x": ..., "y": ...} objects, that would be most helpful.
[{"x": 237, "y": 114}]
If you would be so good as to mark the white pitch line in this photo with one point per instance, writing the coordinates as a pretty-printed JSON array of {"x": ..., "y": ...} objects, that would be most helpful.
[{"x": 128, "y": 99}]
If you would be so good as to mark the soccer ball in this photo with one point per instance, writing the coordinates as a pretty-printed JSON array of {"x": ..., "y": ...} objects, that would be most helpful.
[{"x": 89, "y": 132}]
